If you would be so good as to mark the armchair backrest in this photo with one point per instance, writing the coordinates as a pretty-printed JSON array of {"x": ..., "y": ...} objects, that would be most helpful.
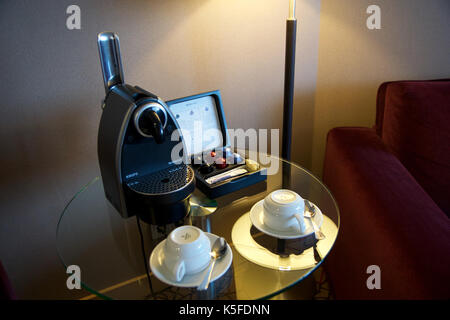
[{"x": 413, "y": 120}]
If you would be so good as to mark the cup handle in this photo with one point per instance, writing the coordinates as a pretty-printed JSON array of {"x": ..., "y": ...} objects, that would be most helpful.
[
  {"x": 301, "y": 222},
  {"x": 178, "y": 270}
]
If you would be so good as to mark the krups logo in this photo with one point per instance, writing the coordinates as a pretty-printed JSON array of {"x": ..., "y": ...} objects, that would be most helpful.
[{"x": 131, "y": 175}]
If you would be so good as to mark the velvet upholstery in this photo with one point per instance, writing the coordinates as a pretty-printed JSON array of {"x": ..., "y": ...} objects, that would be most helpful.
[
  {"x": 381, "y": 98},
  {"x": 416, "y": 128},
  {"x": 388, "y": 218}
]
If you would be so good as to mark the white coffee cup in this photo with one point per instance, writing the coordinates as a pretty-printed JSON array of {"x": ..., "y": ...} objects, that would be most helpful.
[
  {"x": 283, "y": 210},
  {"x": 186, "y": 251}
]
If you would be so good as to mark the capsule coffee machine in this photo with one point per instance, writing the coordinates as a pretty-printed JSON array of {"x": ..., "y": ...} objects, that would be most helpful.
[{"x": 135, "y": 150}]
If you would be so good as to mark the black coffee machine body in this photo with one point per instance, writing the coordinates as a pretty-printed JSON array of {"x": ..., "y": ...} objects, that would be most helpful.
[{"x": 143, "y": 170}]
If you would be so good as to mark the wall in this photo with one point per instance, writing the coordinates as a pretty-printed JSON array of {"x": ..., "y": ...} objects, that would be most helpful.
[
  {"x": 353, "y": 60},
  {"x": 51, "y": 89}
]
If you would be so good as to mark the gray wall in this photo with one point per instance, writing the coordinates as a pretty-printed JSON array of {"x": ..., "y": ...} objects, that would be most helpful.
[
  {"x": 51, "y": 90},
  {"x": 413, "y": 43}
]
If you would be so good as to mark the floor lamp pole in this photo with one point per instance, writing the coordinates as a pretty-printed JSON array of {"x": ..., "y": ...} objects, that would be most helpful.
[{"x": 289, "y": 77}]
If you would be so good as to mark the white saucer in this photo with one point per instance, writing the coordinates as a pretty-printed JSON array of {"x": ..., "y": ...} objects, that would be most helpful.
[
  {"x": 256, "y": 216},
  {"x": 160, "y": 271}
]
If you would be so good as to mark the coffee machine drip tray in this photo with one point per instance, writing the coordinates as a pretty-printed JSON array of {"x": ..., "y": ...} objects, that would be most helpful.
[
  {"x": 161, "y": 197},
  {"x": 169, "y": 180}
]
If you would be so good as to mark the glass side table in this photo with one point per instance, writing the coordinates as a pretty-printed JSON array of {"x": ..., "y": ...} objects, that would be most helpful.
[{"x": 108, "y": 250}]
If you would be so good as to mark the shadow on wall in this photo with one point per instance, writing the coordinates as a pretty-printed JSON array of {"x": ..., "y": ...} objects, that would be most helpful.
[
  {"x": 302, "y": 128},
  {"x": 44, "y": 162},
  {"x": 352, "y": 105},
  {"x": 52, "y": 87},
  {"x": 40, "y": 148}
]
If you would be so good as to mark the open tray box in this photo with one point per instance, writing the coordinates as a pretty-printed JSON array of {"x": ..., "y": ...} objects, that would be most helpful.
[{"x": 204, "y": 113}]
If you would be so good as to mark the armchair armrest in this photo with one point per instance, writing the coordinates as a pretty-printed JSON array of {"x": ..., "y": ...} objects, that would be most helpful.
[{"x": 387, "y": 219}]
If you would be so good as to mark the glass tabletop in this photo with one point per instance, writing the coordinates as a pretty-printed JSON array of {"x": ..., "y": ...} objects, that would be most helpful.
[{"x": 110, "y": 249}]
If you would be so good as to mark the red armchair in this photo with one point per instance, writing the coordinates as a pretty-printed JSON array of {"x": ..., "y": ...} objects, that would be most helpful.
[{"x": 392, "y": 184}]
